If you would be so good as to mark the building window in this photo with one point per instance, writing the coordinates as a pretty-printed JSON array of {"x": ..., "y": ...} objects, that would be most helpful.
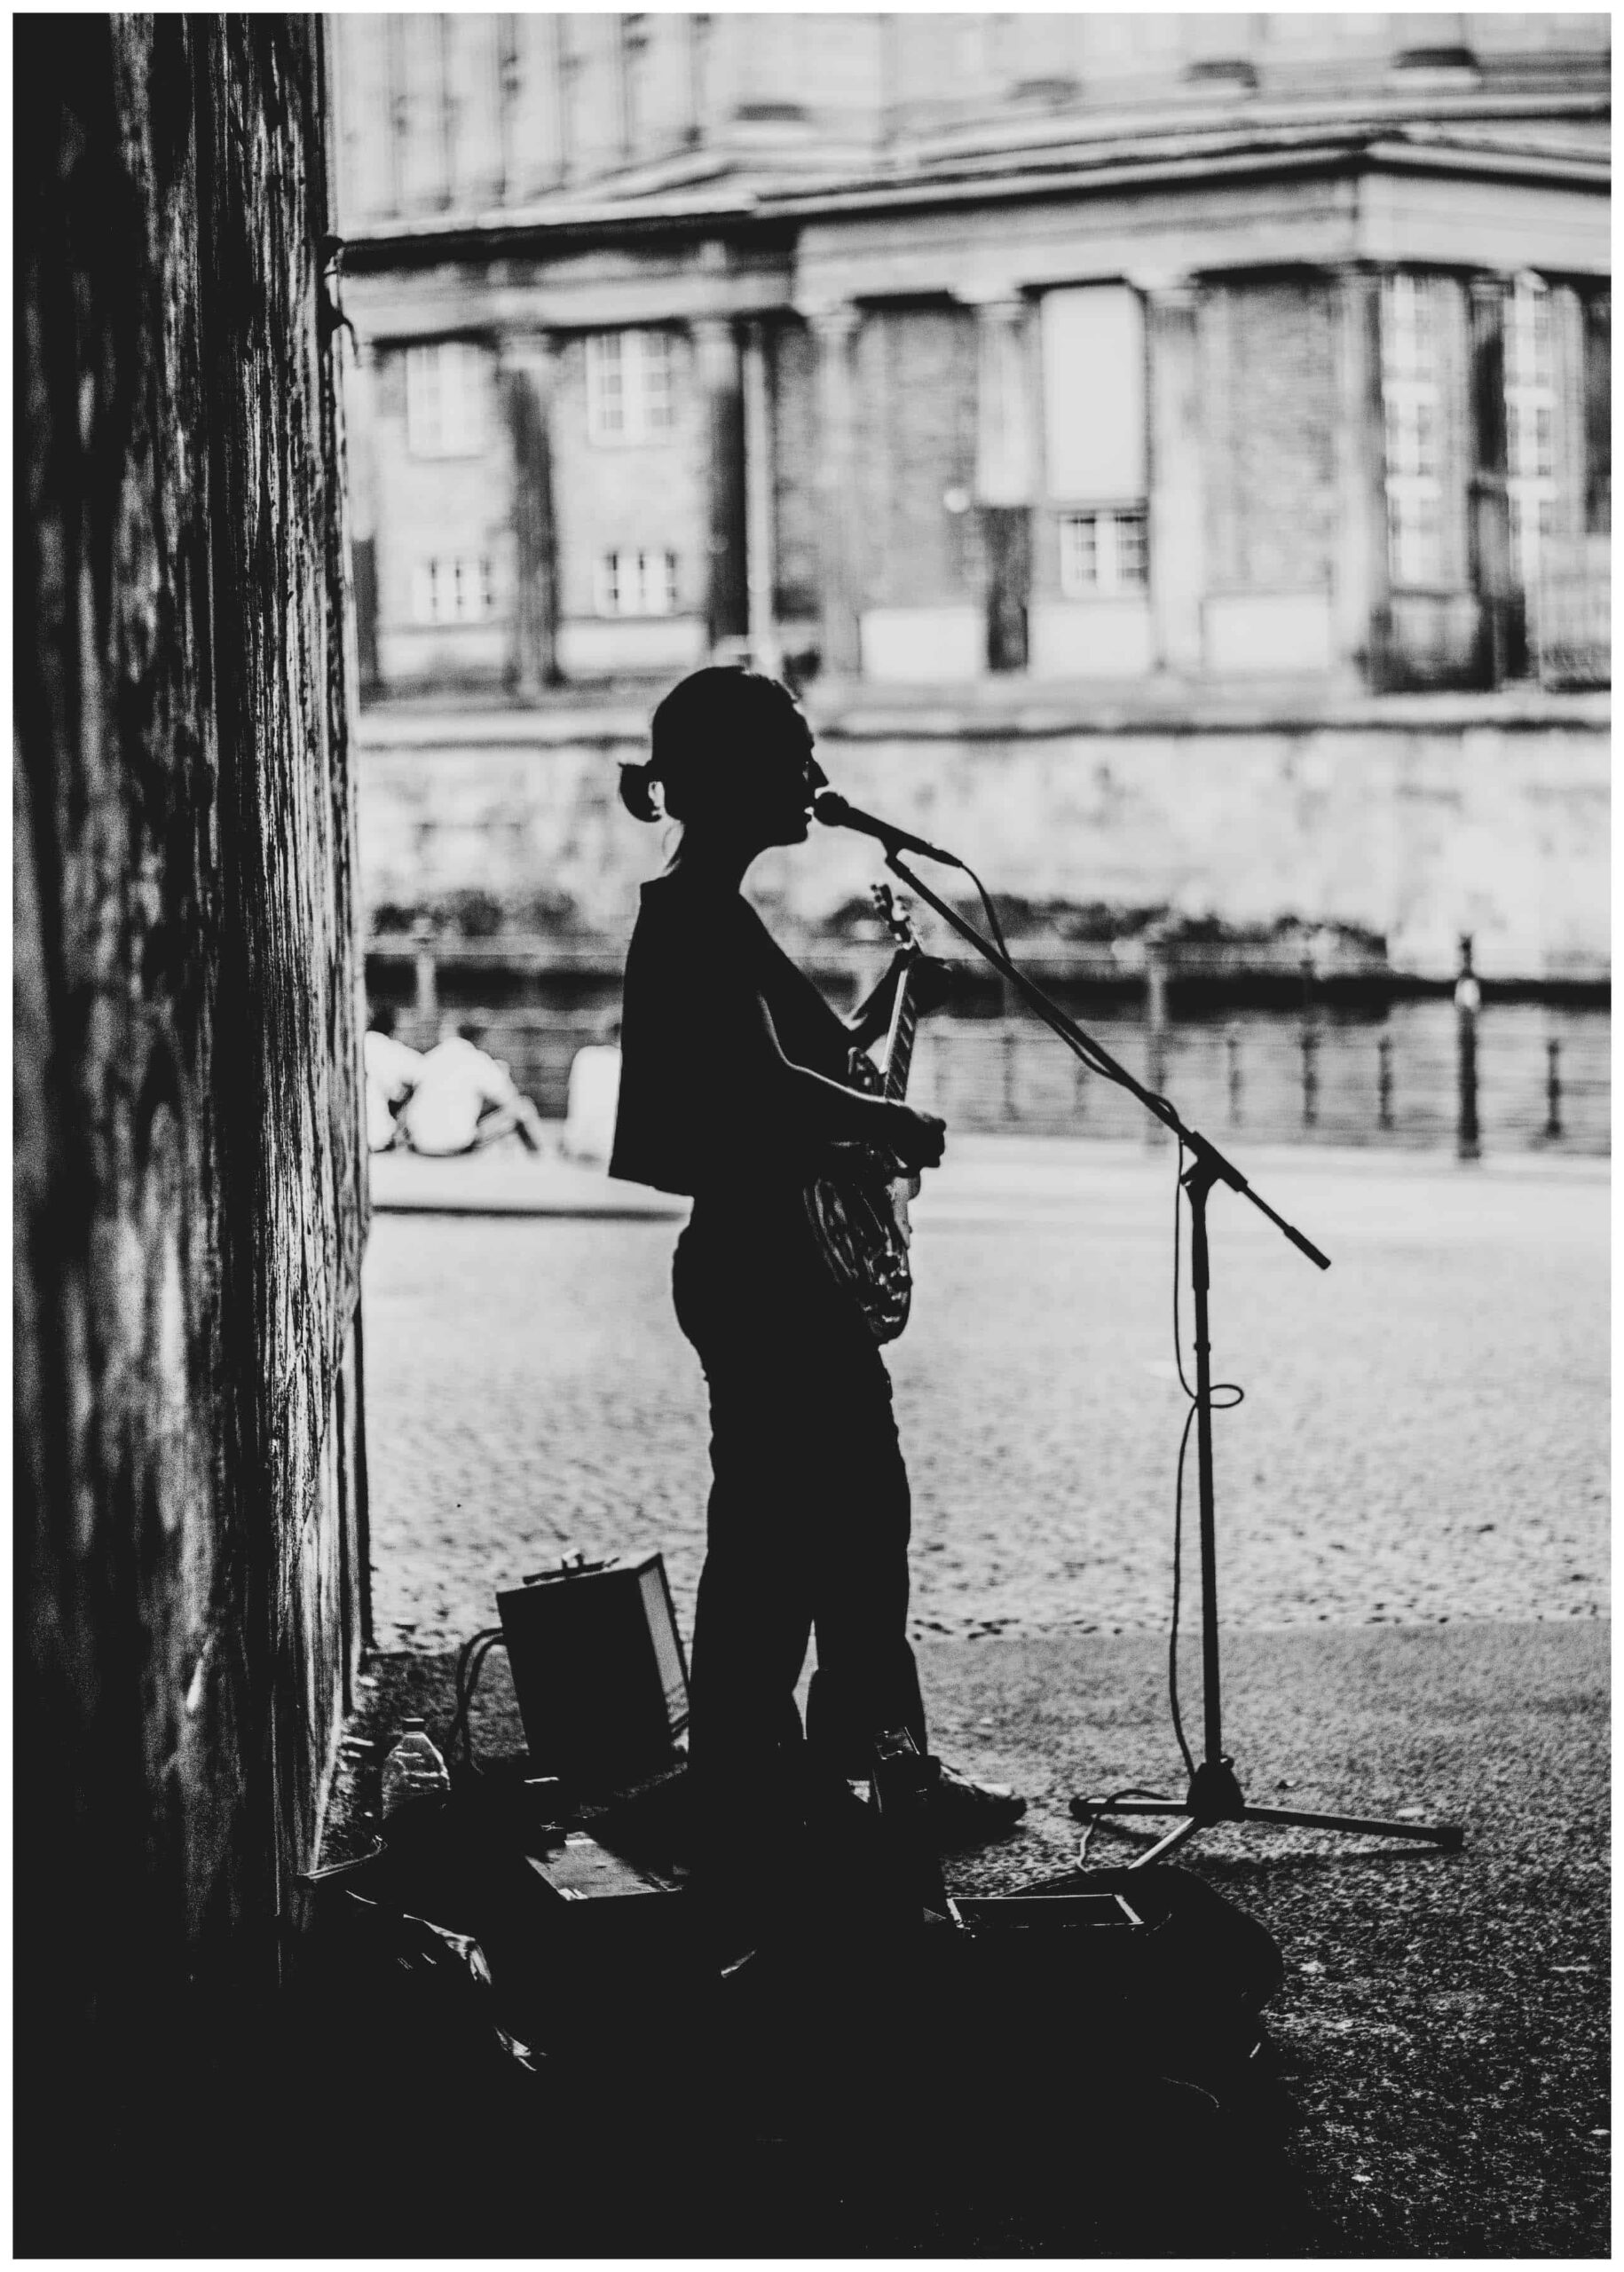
[
  {"x": 457, "y": 587},
  {"x": 1413, "y": 403},
  {"x": 445, "y": 401},
  {"x": 1093, "y": 344},
  {"x": 629, "y": 395},
  {"x": 1103, "y": 556},
  {"x": 637, "y": 583},
  {"x": 1531, "y": 426}
]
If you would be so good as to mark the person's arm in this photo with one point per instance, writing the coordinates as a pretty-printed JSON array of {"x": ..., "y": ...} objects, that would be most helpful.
[
  {"x": 804, "y": 1103},
  {"x": 932, "y": 979},
  {"x": 496, "y": 1082}
]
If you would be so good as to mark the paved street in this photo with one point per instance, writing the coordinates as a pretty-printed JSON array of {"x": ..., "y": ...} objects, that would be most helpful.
[{"x": 1424, "y": 1436}]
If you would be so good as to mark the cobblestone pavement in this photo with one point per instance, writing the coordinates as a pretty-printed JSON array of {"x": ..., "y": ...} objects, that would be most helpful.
[{"x": 1423, "y": 1435}]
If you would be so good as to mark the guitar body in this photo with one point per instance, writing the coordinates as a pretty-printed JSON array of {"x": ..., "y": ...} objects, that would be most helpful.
[{"x": 858, "y": 1207}]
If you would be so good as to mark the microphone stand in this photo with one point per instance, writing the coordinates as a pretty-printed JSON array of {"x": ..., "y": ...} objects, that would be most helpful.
[{"x": 1214, "y": 1794}]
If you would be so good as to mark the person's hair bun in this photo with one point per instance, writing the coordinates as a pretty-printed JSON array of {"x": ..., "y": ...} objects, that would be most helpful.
[{"x": 637, "y": 792}]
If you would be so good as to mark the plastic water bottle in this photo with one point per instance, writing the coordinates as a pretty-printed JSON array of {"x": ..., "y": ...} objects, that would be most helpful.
[{"x": 414, "y": 1770}]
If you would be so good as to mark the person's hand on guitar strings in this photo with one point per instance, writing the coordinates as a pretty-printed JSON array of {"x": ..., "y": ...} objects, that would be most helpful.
[{"x": 917, "y": 1138}]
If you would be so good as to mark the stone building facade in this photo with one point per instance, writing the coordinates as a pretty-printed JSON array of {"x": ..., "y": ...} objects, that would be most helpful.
[
  {"x": 1036, "y": 370},
  {"x": 190, "y": 1192}
]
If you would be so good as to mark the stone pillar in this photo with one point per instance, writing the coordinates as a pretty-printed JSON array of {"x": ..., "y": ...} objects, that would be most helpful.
[
  {"x": 761, "y": 549},
  {"x": 1598, "y": 410},
  {"x": 1361, "y": 580},
  {"x": 359, "y": 402},
  {"x": 835, "y": 329},
  {"x": 527, "y": 386},
  {"x": 1003, "y": 475},
  {"x": 1176, "y": 504},
  {"x": 1503, "y": 642},
  {"x": 726, "y": 605}
]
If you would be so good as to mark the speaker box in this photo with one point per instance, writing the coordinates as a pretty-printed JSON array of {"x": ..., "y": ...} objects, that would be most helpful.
[{"x": 598, "y": 1670}]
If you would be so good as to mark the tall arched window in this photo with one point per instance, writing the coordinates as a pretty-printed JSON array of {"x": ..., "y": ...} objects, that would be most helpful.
[{"x": 1412, "y": 397}]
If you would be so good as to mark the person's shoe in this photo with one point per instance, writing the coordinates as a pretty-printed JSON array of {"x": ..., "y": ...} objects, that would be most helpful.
[{"x": 962, "y": 1813}]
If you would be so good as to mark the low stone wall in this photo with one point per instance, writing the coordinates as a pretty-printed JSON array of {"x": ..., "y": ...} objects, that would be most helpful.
[{"x": 1414, "y": 819}]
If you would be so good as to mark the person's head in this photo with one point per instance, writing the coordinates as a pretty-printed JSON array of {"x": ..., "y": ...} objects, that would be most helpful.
[
  {"x": 731, "y": 753},
  {"x": 385, "y": 1017}
]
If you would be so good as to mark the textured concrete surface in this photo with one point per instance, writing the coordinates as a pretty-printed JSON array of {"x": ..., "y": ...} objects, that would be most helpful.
[
  {"x": 1413, "y": 1580},
  {"x": 1442, "y": 2027},
  {"x": 1424, "y": 1436}
]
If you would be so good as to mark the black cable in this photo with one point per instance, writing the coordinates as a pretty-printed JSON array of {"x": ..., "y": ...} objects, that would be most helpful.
[
  {"x": 989, "y": 909},
  {"x": 1081, "y": 1043},
  {"x": 1172, "y": 1639},
  {"x": 1099, "y": 1806},
  {"x": 470, "y": 1659},
  {"x": 1233, "y": 1394}
]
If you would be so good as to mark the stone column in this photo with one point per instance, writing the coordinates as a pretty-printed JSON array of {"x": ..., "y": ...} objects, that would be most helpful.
[
  {"x": 726, "y": 605},
  {"x": 1598, "y": 409},
  {"x": 1361, "y": 578},
  {"x": 761, "y": 549},
  {"x": 1003, "y": 475},
  {"x": 1176, "y": 530},
  {"x": 360, "y": 450},
  {"x": 1503, "y": 640},
  {"x": 835, "y": 329},
  {"x": 527, "y": 388}
]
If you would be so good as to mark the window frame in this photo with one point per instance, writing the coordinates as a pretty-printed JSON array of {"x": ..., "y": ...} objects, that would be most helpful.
[
  {"x": 430, "y": 432},
  {"x": 1106, "y": 579},
  {"x": 644, "y": 390},
  {"x": 1531, "y": 490},
  {"x": 455, "y": 591},
  {"x": 626, "y": 576},
  {"x": 1412, "y": 429}
]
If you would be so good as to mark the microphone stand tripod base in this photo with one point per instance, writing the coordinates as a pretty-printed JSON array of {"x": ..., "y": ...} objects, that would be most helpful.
[{"x": 1214, "y": 1796}]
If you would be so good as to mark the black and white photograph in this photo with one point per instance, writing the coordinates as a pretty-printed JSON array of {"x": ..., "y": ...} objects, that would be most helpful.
[{"x": 811, "y": 1038}]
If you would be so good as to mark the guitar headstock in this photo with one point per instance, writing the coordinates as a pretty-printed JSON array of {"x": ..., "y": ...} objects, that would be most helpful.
[{"x": 893, "y": 912}]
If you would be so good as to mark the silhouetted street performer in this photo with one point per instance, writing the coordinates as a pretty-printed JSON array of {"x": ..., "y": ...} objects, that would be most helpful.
[{"x": 734, "y": 1080}]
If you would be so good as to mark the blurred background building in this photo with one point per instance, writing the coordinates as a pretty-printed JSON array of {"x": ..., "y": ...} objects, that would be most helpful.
[{"x": 1172, "y": 452}]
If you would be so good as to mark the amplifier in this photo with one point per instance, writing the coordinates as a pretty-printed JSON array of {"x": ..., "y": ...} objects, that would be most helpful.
[{"x": 598, "y": 1668}]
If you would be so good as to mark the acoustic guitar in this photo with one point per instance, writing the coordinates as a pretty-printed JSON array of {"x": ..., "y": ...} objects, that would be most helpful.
[{"x": 858, "y": 1207}]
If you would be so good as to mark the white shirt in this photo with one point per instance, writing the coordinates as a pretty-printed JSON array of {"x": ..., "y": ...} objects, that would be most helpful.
[
  {"x": 594, "y": 1091},
  {"x": 392, "y": 1071},
  {"x": 456, "y": 1085}
]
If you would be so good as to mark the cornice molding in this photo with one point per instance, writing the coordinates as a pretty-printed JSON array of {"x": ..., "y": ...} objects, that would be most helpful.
[{"x": 739, "y": 210}]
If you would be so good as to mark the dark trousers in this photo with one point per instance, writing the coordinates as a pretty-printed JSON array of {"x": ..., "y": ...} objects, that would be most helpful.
[{"x": 809, "y": 1511}]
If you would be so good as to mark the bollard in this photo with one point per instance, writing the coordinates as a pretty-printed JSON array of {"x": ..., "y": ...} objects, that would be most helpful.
[
  {"x": 1553, "y": 1088},
  {"x": 426, "y": 1008},
  {"x": 1384, "y": 1081},
  {"x": 1231, "y": 1057},
  {"x": 1155, "y": 1027},
  {"x": 1009, "y": 1042},
  {"x": 1309, "y": 1076},
  {"x": 1468, "y": 995}
]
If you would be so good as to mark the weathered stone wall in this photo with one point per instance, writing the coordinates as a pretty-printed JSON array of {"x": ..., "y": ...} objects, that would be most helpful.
[
  {"x": 189, "y": 1181},
  {"x": 1415, "y": 819}
]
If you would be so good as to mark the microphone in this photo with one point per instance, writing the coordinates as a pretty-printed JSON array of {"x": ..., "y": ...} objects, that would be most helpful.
[{"x": 834, "y": 812}]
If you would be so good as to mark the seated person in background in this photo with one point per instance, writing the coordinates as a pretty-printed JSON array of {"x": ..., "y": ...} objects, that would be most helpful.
[
  {"x": 392, "y": 1071},
  {"x": 595, "y": 1090},
  {"x": 465, "y": 1099}
]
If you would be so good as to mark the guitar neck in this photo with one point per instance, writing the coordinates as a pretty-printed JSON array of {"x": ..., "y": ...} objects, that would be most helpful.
[{"x": 899, "y": 1039}]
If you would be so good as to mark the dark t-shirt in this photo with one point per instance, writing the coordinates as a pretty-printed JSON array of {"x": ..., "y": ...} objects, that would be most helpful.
[{"x": 694, "y": 1112}]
